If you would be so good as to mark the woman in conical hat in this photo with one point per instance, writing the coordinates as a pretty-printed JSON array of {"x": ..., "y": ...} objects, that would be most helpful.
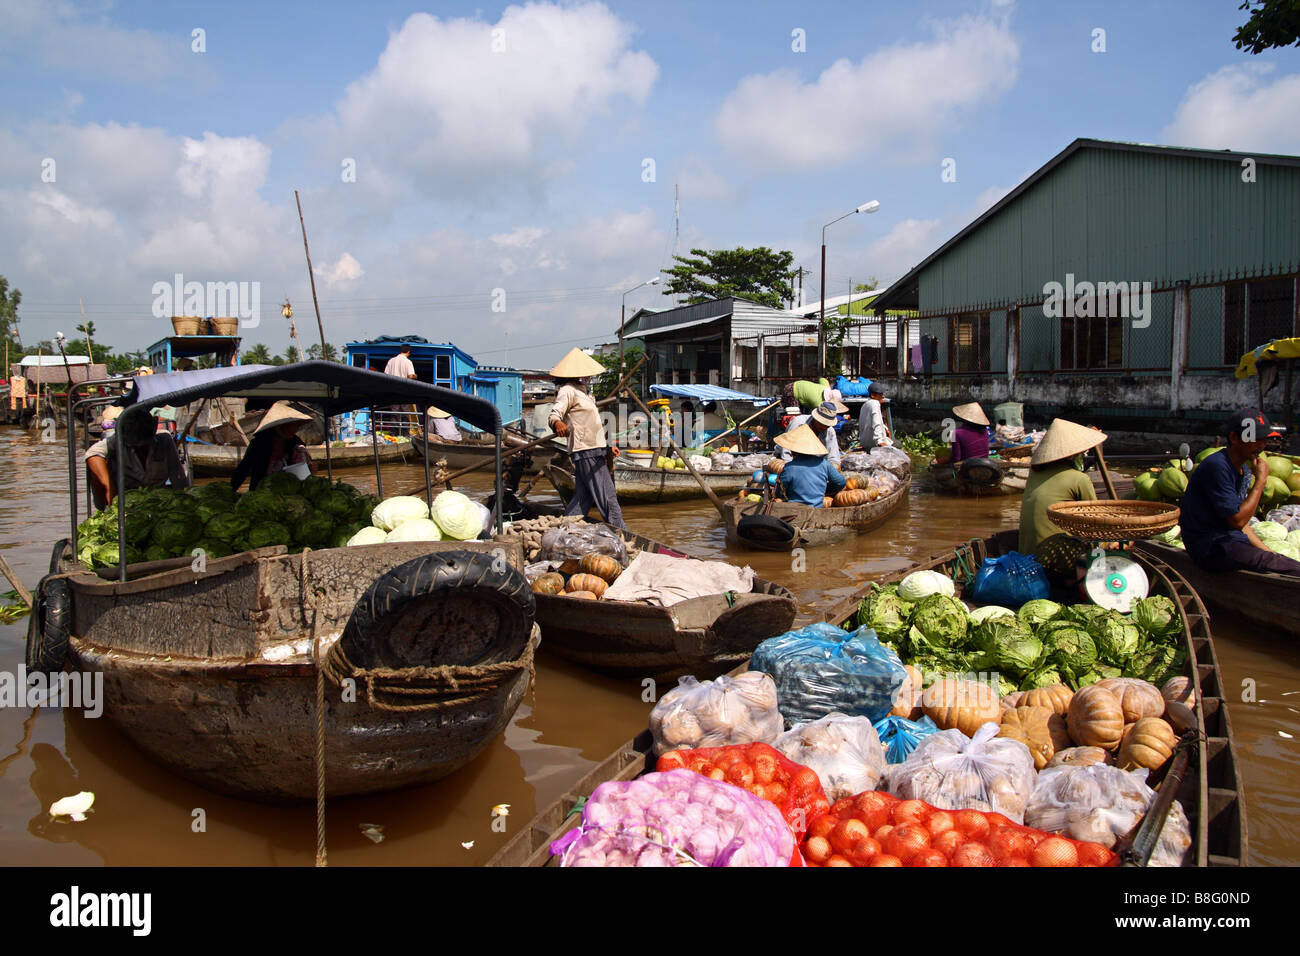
[
  {"x": 808, "y": 477},
  {"x": 575, "y": 416},
  {"x": 970, "y": 439},
  {"x": 1057, "y": 475},
  {"x": 275, "y": 446}
]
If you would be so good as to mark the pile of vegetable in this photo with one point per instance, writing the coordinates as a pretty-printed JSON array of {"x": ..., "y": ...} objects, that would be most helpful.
[
  {"x": 1277, "y": 538},
  {"x": 1042, "y": 644},
  {"x": 451, "y": 516},
  {"x": 1167, "y": 483},
  {"x": 729, "y": 710},
  {"x": 167, "y": 523}
]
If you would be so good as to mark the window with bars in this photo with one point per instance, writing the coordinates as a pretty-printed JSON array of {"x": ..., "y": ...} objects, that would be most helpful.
[
  {"x": 968, "y": 343},
  {"x": 1254, "y": 313},
  {"x": 1092, "y": 342}
]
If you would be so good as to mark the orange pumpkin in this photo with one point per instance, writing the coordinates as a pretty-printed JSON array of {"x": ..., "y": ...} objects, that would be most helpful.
[
  {"x": 549, "y": 583},
  {"x": 1179, "y": 690},
  {"x": 1056, "y": 698},
  {"x": 1147, "y": 743},
  {"x": 851, "y": 498},
  {"x": 775, "y": 465},
  {"x": 1096, "y": 718},
  {"x": 1137, "y": 698},
  {"x": 601, "y": 565},
  {"x": 961, "y": 704},
  {"x": 586, "y": 582},
  {"x": 1029, "y": 725},
  {"x": 585, "y": 595},
  {"x": 1078, "y": 757},
  {"x": 853, "y": 482},
  {"x": 907, "y": 702}
]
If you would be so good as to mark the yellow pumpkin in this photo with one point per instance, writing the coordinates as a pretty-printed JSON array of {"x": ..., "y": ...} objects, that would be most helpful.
[
  {"x": 1179, "y": 690},
  {"x": 586, "y": 582},
  {"x": 1095, "y": 718},
  {"x": 585, "y": 595},
  {"x": 1136, "y": 698},
  {"x": 850, "y": 498},
  {"x": 775, "y": 466},
  {"x": 602, "y": 565},
  {"x": 1013, "y": 700},
  {"x": 907, "y": 702},
  {"x": 854, "y": 481},
  {"x": 965, "y": 705},
  {"x": 549, "y": 583},
  {"x": 1059, "y": 728},
  {"x": 1056, "y": 698},
  {"x": 1078, "y": 757},
  {"x": 1029, "y": 725},
  {"x": 1147, "y": 743}
]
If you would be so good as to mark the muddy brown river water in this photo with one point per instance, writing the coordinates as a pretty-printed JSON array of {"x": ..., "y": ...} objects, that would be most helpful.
[{"x": 145, "y": 816}]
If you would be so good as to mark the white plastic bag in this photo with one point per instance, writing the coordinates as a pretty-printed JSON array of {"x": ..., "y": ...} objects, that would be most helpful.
[
  {"x": 954, "y": 772},
  {"x": 1100, "y": 803},
  {"x": 723, "y": 460},
  {"x": 893, "y": 460},
  {"x": 845, "y": 752},
  {"x": 701, "y": 463},
  {"x": 729, "y": 710},
  {"x": 572, "y": 542}
]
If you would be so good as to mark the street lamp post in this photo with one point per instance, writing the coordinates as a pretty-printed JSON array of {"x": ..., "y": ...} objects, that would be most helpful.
[
  {"x": 622, "y": 322},
  {"x": 821, "y": 323}
]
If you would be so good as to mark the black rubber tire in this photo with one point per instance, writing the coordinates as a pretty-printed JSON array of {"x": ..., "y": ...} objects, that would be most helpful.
[
  {"x": 980, "y": 472},
  {"x": 764, "y": 529},
  {"x": 56, "y": 556},
  {"x": 49, "y": 626},
  {"x": 449, "y": 608}
]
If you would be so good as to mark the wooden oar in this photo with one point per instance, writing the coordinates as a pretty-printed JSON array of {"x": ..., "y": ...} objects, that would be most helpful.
[
  {"x": 23, "y": 593},
  {"x": 1105, "y": 474},
  {"x": 736, "y": 428},
  {"x": 717, "y": 503}
]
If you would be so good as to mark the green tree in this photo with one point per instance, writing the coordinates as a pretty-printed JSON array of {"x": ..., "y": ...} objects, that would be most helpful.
[
  {"x": 291, "y": 355},
  {"x": 329, "y": 353},
  {"x": 605, "y": 382},
  {"x": 259, "y": 354},
  {"x": 1272, "y": 23},
  {"x": 759, "y": 275},
  {"x": 838, "y": 324},
  {"x": 9, "y": 299}
]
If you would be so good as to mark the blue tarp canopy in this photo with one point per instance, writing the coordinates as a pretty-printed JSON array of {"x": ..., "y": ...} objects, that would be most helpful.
[
  {"x": 332, "y": 387},
  {"x": 709, "y": 393}
]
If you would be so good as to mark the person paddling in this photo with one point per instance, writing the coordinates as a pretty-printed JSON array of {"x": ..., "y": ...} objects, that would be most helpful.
[
  {"x": 970, "y": 439},
  {"x": 808, "y": 477},
  {"x": 1056, "y": 475},
  {"x": 576, "y": 416}
]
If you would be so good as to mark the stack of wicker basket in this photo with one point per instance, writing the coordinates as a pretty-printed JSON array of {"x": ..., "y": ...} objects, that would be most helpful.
[{"x": 197, "y": 325}]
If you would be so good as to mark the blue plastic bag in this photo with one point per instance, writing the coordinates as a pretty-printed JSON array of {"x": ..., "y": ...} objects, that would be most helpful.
[
  {"x": 900, "y": 736},
  {"x": 847, "y": 387},
  {"x": 1009, "y": 581},
  {"x": 821, "y": 669}
]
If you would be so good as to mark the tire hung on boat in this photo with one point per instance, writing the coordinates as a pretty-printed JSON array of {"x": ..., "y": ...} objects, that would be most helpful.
[
  {"x": 449, "y": 608},
  {"x": 980, "y": 472},
  {"x": 50, "y": 625}
]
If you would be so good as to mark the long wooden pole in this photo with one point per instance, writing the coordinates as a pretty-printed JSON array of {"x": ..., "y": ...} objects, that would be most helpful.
[
  {"x": 312, "y": 276},
  {"x": 1105, "y": 474},
  {"x": 8, "y": 572},
  {"x": 713, "y": 498},
  {"x": 736, "y": 428}
]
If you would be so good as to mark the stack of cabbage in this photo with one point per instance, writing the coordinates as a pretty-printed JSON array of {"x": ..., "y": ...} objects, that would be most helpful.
[
  {"x": 406, "y": 518},
  {"x": 1044, "y": 643},
  {"x": 1169, "y": 483},
  {"x": 167, "y": 522},
  {"x": 1278, "y": 539}
]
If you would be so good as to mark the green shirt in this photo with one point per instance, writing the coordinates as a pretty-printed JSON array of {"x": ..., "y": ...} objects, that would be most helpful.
[
  {"x": 809, "y": 394},
  {"x": 1061, "y": 482}
]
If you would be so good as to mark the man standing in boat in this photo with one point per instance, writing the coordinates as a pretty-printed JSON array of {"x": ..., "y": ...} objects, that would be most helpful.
[
  {"x": 401, "y": 366},
  {"x": 576, "y": 416},
  {"x": 1219, "y": 502},
  {"x": 822, "y": 422},
  {"x": 872, "y": 430},
  {"x": 151, "y": 459}
]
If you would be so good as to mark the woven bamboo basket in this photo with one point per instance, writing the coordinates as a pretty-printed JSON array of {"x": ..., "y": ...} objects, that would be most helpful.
[
  {"x": 188, "y": 324},
  {"x": 224, "y": 326},
  {"x": 1113, "y": 520}
]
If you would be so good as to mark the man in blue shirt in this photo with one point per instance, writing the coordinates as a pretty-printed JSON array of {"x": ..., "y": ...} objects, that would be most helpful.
[
  {"x": 1217, "y": 507},
  {"x": 808, "y": 477},
  {"x": 822, "y": 421}
]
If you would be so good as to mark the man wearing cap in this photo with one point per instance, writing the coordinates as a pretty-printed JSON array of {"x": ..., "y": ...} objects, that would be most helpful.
[
  {"x": 151, "y": 459},
  {"x": 1220, "y": 501},
  {"x": 970, "y": 439},
  {"x": 808, "y": 477},
  {"x": 822, "y": 424},
  {"x": 1056, "y": 475},
  {"x": 575, "y": 415},
  {"x": 274, "y": 447},
  {"x": 872, "y": 430}
]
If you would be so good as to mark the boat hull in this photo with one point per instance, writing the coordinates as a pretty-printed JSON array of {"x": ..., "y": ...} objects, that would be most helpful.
[
  {"x": 815, "y": 527},
  {"x": 1012, "y": 483},
  {"x": 472, "y": 452},
  {"x": 647, "y": 486},
  {"x": 220, "y": 460}
]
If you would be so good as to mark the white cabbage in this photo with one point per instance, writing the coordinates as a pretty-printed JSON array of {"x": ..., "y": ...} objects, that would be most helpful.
[
  {"x": 390, "y": 513},
  {"x": 415, "y": 529},
  {"x": 1269, "y": 530},
  {"x": 920, "y": 584},
  {"x": 982, "y": 614},
  {"x": 457, "y": 515},
  {"x": 371, "y": 535}
]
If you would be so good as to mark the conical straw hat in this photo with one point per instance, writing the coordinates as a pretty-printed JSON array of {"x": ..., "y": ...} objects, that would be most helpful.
[
  {"x": 577, "y": 364},
  {"x": 971, "y": 412},
  {"x": 1065, "y": 440},
  {"x": 435, "y": 412},
  {"x": 280, "y": 413},
  {"x": 802, "y": 441}
]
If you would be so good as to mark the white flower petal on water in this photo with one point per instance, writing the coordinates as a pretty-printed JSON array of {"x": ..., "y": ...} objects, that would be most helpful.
[
  {"x": 469, "y": 845},
  {"x": 1283, "y": 733},
  {"x": 74, "y": 806},
  {"x": 501, "y": 810}
]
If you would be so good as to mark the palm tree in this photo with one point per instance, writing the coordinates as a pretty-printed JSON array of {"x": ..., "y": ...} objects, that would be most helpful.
[
  {"x": 259, "y": 354},
  {"x": 329, "y": 352},
  {"x": 291, "y": 355}
]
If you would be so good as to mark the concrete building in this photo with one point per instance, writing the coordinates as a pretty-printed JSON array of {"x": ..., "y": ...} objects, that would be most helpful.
[{"x": 1119, "y": 285}]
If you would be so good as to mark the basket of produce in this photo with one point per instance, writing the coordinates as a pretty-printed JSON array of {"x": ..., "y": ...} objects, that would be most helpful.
[
  {"x": 224, "y": 325},
  {"x": 1113, "y": 520},
  {"x": 187, "y": 324}
]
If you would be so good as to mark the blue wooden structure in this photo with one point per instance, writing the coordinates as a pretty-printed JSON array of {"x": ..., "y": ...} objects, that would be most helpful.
[{"x": 164, "y": 352}]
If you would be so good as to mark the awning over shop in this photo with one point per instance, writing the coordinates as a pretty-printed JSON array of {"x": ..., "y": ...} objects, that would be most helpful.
[{"x": 708, "y": 393}]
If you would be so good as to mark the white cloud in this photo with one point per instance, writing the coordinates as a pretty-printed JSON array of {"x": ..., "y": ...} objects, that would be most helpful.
[
  {"x": 895, "y": 102},
  {"x": 1239, "y": 107},
  {"x": 343, "y": 274},
  {"x": 700, "y": 182},
  {"x": 990, "y": 197},
  {"x": 444, "y": 113}
]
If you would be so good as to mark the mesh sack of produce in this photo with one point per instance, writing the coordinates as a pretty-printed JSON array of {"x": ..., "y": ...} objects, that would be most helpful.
[
  {"x": 1288, "y": 516},
  {"x": 1009, "y": 580},
  {"x": 792, "y": 788},
  {"x": 1100, "y": 803},
  {"x": 573, "y": 542},
  {"x": 677, "y": 818},
  {"x": 954, "y": 772},
  {"x": 723, "y": 460},
  {"x": 752, "y": 462},
  {"x": 883, "y": 483},
  {"x": 893, "y": 460},
  {"x": 729, "y": 710},
  {"x": 900, "y": 736},
  {"x": 879, "y": 829},
  {"x": 822, "y": 670},
  {"x": 856, "y": 461},
  {"x": 845, "y": 752}
]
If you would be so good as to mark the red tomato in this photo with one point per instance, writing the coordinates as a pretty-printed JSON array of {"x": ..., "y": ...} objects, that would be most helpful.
[
  {"x": 822, "y": 825},
  {"x": 972, "y": 823},
  {"x": 972, "y": 854},
  {"x": 884, "y": 859},
  {"x": 930, "y": 857},
  {"x": 1094, "y": 854},
  {"x": 764, "y": 767},
  {"x": 1008, "y": 842},
  {"x": 837, "y": 860},
  {"x": 909, "y": 811},
  {"x": 948, "y": 841},
  {"x": 818, "y": 849},
  {"x": 881, "y": 833},
  {"x": 907, "y": 840},
  {"x": 741, "y": 774},
  {"x": 940, "y": 821},
  {"x": 1055, "y": 851}
]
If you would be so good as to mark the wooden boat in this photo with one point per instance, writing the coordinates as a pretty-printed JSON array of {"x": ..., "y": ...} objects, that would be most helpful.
[
  {"x": 705, "y": 635},
  {"x": 642, "y": 486},
  {"x": 478, "y": 448},
  {"x": 949, "y": 482},
  {"x": 814, "y": 527},
  {"x": 1211, "y": 793},
  {"x": 1271, "y": 601},
  {"x": 424, "y": 649},
  {"x": 219, "y": 460}
]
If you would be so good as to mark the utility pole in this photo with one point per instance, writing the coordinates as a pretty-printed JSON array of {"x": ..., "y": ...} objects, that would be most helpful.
[{"x": 799, "y": 301}]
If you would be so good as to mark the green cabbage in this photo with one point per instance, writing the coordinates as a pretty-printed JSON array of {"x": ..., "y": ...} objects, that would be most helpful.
[
  {"x": 281, "y": 483},
  {"x": 1268, "y": 531},
  {"x": 1042, "y": 677},
  {"x": 1069, "y": 647},
  {"x": 1008, "y": 645},
  {"x": 416, "y": 529},
  {"x": 982, "y": 614},
  {"x": 1157, "y": 617},
  {"x": 938, "y": 622},
  {"x": 267, "y": 534},
  {"x": 388, "y": 514},
  {"x": 457, "y": 516},
  {"x": 178, "y": 532},
  {"x": 214, "y": 548},
  {"x": 293, "y": 509},
  {"x": 313, "y": 486},
  {"x": 1117, "y": 638},
  {"x": 259, "y": 504},
  {"x": 1038, "y": 611},
  {"x": 885, "y": 613},
  {"x": 921, "y": 584},
  {"x": 313, "y": 531},
  {"x": 156, "y": 552},
  {"x": 229, "y": 527},
  {"x": 369, "y": 535},
  {"x": 1154, "y": 663},
  {"x": 336, "y": 503}
]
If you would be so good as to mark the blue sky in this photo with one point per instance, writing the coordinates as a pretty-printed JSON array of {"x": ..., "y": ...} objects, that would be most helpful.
[{"x": 522, "y": 168}]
